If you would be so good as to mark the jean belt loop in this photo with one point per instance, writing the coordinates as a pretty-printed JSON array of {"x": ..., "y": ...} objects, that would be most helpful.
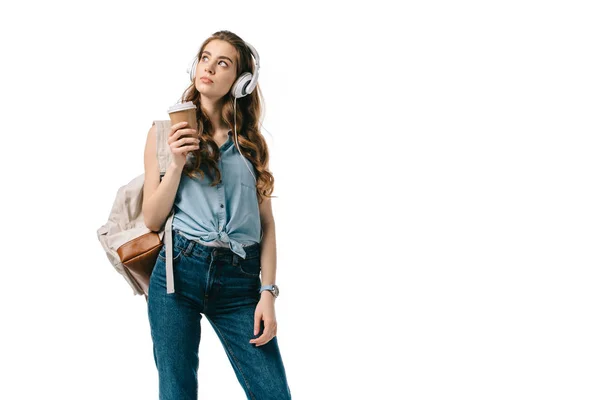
[{"x": 189, "y": 249}]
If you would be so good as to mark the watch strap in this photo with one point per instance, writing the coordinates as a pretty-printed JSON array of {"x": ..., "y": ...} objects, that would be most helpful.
[
  {"x": 266, "y": 287},
  {"x": 274, "y": 289}
]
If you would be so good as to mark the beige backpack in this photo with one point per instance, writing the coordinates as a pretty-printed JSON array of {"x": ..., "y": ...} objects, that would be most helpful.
[{"x": 130, "y": 246}]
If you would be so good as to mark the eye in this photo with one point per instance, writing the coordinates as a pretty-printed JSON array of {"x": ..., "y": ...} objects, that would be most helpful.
[{"x": 203, "y": 57}]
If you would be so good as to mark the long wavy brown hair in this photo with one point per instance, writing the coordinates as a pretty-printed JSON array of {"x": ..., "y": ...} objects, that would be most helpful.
[{"x": 248, "y": 112}]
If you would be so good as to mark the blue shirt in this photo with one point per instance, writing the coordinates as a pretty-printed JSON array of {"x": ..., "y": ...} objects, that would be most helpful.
[{"x": 225, "y": 215}]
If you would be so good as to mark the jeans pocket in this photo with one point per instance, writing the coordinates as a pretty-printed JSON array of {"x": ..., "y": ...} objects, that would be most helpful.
[
  {"x": 250, "y": 266},
  {"x": 177, "y": 252}
]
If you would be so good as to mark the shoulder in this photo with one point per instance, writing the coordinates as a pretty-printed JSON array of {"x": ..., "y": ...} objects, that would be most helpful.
[{"x": 152, "y": 130}]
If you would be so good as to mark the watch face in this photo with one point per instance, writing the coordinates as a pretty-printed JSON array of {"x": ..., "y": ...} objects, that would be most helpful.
[{"x": 275, "y": 290}]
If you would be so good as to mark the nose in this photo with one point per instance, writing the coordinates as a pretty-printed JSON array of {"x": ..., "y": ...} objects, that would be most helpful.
[{"x": 208, "y": 67}]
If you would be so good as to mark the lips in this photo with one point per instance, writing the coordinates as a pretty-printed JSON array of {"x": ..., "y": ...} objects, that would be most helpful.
[{"x": 206, "y": 80}]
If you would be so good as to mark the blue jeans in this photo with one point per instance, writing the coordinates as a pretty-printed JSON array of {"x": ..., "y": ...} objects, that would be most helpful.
[{"x": 216, "y": 283}]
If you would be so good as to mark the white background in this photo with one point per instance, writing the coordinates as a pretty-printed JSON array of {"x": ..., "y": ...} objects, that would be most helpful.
[{"x": 436, "y": 167}]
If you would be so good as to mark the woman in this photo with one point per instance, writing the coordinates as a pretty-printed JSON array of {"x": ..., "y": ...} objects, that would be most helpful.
[{"x": 223, "y": 231}]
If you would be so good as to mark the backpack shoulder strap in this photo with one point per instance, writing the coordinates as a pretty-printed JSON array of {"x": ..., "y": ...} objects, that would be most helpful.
[{"x": 163, "y": 153}]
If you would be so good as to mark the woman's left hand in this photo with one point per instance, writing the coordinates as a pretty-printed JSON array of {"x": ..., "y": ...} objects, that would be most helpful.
[{"x": 265, "y": 311}]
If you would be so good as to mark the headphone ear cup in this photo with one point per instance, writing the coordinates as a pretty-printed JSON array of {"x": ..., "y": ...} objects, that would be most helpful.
[
  {"x": 238, "y": 88},
  {"x": 192, "y": 69}
]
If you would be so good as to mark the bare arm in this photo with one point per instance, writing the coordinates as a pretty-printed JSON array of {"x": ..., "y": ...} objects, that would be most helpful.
[
  {"x": 268, "y": 245},
  {"x": 158, "y": 195}
]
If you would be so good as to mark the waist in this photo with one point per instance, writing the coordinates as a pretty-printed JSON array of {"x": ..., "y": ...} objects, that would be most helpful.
[{"x": 216, "y": 247}]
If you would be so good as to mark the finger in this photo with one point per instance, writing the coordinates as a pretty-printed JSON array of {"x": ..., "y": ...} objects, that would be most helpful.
[
  {"x": 262, "y": 339},
  {"x": 266, "y": 341},
  {"x": 189, "y": 147},
  {"x": 257, "y": 319},
  {"x": 177, "y": 126},
  {"x": 181, "y": 133},
  {"x": 186, "y": 140},
  {"x": 267, "y": 331},
  {"x": 184, "y": 149},
  {"x": 191, "y": 132}
]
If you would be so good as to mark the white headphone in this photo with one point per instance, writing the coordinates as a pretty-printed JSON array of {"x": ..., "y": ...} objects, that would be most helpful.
[{"x": 243, "y": 86}]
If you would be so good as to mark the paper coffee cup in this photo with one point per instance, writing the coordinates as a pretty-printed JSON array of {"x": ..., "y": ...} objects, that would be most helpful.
[{"x": 183, "y": 112}]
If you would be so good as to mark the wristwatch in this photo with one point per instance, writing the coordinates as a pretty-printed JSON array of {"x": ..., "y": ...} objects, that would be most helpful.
[{"x": 274, "y": 289}]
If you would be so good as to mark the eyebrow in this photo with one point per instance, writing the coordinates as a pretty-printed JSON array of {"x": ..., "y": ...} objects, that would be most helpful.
[{"x": 208, "y": 52}]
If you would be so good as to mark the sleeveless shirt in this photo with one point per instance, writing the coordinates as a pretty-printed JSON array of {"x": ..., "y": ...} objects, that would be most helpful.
[{"x": 225, "y": 215}]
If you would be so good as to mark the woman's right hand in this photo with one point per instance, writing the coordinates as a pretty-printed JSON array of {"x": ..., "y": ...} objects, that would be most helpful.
[{"x": 181, "y": 141}]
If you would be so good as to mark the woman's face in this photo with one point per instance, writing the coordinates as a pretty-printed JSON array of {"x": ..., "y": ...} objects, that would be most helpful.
[{"x": 218, "y": 62}]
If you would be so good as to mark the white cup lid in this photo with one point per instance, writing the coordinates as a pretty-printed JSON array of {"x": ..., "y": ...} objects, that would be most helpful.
[{"x": 181, "y": 106}]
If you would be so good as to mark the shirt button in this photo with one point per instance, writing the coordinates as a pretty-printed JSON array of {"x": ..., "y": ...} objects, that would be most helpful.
[{"x": 222, "y": 206}]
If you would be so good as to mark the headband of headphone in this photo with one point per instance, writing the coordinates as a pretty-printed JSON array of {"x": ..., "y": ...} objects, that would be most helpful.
[{"x": 245, "y": 83}]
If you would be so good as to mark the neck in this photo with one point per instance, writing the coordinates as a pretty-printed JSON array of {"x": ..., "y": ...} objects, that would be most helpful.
[{"x": 213, "y": 110}]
